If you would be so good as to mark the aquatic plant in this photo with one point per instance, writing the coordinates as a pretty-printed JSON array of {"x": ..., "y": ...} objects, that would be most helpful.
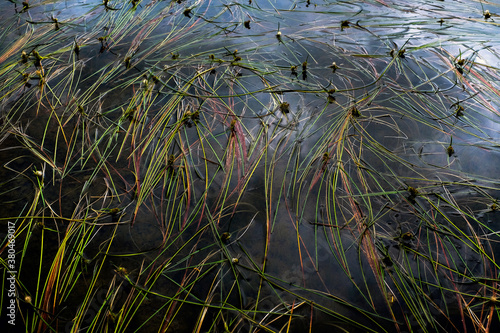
[{"x": 250, "y": 166}]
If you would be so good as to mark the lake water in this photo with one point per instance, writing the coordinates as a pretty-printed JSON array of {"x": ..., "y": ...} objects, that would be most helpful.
[{"x": 252, "y": 166}]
